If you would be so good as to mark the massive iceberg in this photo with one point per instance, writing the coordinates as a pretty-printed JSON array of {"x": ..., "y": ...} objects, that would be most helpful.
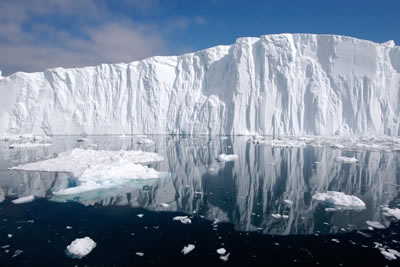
[{"x": 283, "y": 84}]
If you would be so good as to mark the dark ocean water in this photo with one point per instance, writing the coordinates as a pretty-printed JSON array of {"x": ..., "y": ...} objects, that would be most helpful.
[{"x": 231, "y": 205}]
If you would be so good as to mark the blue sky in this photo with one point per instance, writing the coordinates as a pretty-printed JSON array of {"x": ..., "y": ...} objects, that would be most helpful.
[{"x": 40, "y": 34}]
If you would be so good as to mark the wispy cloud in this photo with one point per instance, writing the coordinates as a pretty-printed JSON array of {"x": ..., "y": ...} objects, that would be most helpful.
[{"x": 40, "y": 34}]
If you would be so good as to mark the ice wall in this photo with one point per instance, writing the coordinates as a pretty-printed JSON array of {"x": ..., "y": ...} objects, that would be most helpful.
[{"x": 276, "y": 84}]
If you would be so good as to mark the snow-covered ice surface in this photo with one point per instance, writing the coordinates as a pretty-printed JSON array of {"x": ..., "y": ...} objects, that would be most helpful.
[
  {"x": 226, "y": 158},
  {"x": 22, "y": 200},
  {"x": 339, "y": 199},
  {"x": 80, "y": 247},
  {"x": 279, "y": 84},
  {"x": 96, "y": 169}
]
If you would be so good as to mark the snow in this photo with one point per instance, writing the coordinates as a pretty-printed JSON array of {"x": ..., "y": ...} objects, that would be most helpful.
[
  {"x": 225, "y": 158},
  {"x": 376, "y": 225},
  {"x": 22, "y": 200},
  {"x": 278, "y": 84},
  {"x": 80, "y": 247},
  {"x": 183, "y": 219},
  {"x": 342, "y": 159},
  {"x": 95, "y": 169},
  {"x": 28, "y": 145},
  {"x": 395, "y": 212},
  {"x": 187, "y": 249},
  {"x": 339, "y": 199}
]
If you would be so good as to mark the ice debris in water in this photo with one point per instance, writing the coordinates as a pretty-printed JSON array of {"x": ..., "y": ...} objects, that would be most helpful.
[
  {"x": 376, "y": 225},
  {"x": 342, "y": 159},
  {"x": 80, "y": 247},
  {"x": 339, "y": 199},
  {"x": 140, "y": 254},
  {"x": 140, "y": 215},
  {"x": 95, "y": 169},
  {"x": 187, "y": 249},
  {"x": 221, "y": 251},
  {"x": 22, "y": 200},
  {"x": 17, "y": 252},
  {"x": 182, "y": 219},
  {"x": 391, "y": 212},
  {"x": 225, "y": 157}
]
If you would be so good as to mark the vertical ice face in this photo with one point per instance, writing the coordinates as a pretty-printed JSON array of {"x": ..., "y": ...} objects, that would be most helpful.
[{"x": 275, "y": 84}]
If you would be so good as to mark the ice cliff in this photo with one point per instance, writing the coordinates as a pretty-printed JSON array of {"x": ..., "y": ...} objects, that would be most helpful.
[{"x": 277, "y": 84}]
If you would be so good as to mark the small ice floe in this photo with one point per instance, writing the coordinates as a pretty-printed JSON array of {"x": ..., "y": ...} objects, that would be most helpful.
[
  {"x": 226, "y": 158},
  {"x": 140, "y": 215},
  {"x": 80, "y": 247},
  {"x": 340, "y": 199},
  {"x": 28, "y": 145},
  {"x": 391, "y": 212},
  {"x": 140, "y": 254},
  {"x": 335, "y": 240},
  {"x": 221, "y": 251},
  {"x": 164, "y": 205},
  {"x": 9, "y": 235},
  {"x": 145, "y": 142},
  {"x": 279, "y": 216},
  {"x": 187, "y": 249},
  {"x": 376, "y": 225},
  {"x": 287, "y": 201},
  {"x": 225, "y": 257},
  {"x": 22, "y": 200},
  {"x": 98, "y": 169},
  {"x": 68, "y": 227},
  {"x": 388, "y": 255},
  {"x": 343, "y": 159},
  {"x": 17, "y": 252},
  {"x": 183, "y": 219}
]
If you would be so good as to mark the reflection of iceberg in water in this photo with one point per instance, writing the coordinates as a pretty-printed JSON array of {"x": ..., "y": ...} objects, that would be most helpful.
[{"x": 245, "y": 192}]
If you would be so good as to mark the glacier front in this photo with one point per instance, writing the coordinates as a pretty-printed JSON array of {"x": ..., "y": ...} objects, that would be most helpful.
[{"x": 283, "y": 84}]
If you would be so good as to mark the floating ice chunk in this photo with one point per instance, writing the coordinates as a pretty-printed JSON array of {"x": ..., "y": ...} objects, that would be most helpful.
[
  {"x": 80, "y": 247},
  {"x": 388, "y": 255},
  {"x": 145, "y": 142},
  {"x": 28, "y": 145},
  {"x": 183, "y": 219},
  {"x": 187, "y": 249},
  {"x": 23, "y": 199},
  {"x": 140, "y": 254},
  {"x": 335, "y": 240},
  {"x": 342, "y": 159},
  {"x": 391, "y": 212},
  {"x": 140, "y": 215},
  {"x": 394, "y": 252},
  {"x": 376, "y": 225},
  {"x": 225, "y": 158},
  {"x": 68, "y": 227},
  {"x": 221, "y": 251},
  {"x": 9, "y": 235},
  {"x": 339, "y": 199},
  {"x": 225, "y": 257},
  {"x": 17, "y": 252},
  {"x": 95, "y": 169}
]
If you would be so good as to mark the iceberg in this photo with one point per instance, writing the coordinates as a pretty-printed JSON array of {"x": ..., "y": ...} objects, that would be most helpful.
[
  {"x": 278, "y": 84},
  {"x": 80, "y": 247},
  {"x": 22, "y": 200},
  {"x": 339, "y": 199},
  {"x": 96, "y": 169}
]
